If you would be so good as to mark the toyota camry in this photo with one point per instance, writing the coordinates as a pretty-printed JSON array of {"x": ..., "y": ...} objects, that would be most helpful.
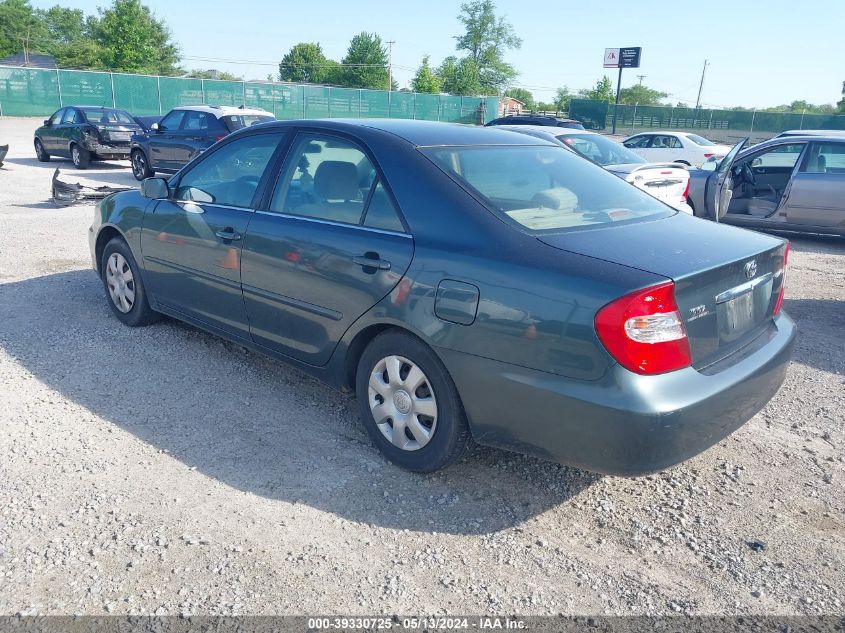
[{"x": 466, "y": 283}]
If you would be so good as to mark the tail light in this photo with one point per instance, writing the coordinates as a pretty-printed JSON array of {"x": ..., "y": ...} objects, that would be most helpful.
[
  {"x": 708, "y": 155},
  {"x": 782, "y": 274},
  {"x": 220, "y": 137},
  {"x": 644, "y": 331},
  {"x": 685, "y": 194}
]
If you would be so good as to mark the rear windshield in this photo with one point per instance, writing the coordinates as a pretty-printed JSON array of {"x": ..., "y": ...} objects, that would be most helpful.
[
  {"x": 545, "y": 188},
  {"x": 106, "y": 116},
  {"x": 699, "y": 140},
  {"x": 600, "y": 149},
  {"x": 237, "y": 121},
  {"x": 572, "y": 125}
]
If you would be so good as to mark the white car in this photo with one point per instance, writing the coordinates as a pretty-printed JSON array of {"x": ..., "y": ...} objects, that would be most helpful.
[
  {"x": 675, "y": 147},
  {"x": 668, "y": 182}
]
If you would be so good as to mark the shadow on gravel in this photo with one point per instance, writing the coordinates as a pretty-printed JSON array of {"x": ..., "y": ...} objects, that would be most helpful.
[
  {"x": 254, "y": 423},
  {"x": 821, "y": 332},
  {"x": 65, "y": 163}
]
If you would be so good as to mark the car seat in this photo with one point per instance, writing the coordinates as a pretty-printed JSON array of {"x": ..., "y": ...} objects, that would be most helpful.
[{"x": 336, "y": 187}]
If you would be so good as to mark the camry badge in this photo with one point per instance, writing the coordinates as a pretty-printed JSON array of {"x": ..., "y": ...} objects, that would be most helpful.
[{"x": 751, "y": 269}]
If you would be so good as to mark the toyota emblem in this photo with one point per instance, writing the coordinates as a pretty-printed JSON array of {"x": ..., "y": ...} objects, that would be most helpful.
[{"x": 751, "y": 269}]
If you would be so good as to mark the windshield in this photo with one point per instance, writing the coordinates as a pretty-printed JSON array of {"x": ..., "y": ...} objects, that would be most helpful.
[
  {"x": 699, "y": 140},
  {"x": 107, "y": 116},
  {"x": 238, "y": 121},
  {"x": 600, "y": 149},
  {"x": 545, "y": 188}
]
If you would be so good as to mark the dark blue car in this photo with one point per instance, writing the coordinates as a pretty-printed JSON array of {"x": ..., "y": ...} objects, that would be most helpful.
[
  {"x": 465, "y": 282},
  {"x": 185, "y": 132}
]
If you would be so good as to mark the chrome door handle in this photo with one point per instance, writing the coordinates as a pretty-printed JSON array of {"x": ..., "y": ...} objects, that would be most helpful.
[
  {"x": 371, "y": 260},
  {"x": 228, "y": 234}
]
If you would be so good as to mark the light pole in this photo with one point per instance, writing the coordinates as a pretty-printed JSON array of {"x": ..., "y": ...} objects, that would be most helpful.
[{"x": 390, "y": 65}]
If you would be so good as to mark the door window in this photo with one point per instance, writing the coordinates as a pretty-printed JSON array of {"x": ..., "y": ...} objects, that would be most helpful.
[
  {"x": 70, "y": 117},
  {"x": 195, "y": 121},
  {"x": 57, "y": 117},
  {"x": 230, "y": 175},
  {"x": 780, "y": 156},
  {"x": 381, "y": 214},
  {"x": 826, "y": 158},
  {"x": 326, "y": 178},
  {"x": 638, "y": 141},
  {"x": 666, "y": 142},
  {"x": 172, "y": 120}
]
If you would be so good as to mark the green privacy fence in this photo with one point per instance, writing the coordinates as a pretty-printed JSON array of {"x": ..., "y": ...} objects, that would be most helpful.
[
  {"x": 39, "y": 92},
  {"x": 598, "y": 115}
]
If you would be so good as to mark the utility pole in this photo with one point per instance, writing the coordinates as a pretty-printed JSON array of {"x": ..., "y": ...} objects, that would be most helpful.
[
  {"x": 390, "y": 44},
  {"x": 641, "y": 77},
  {"x": 701, "y": 85}
]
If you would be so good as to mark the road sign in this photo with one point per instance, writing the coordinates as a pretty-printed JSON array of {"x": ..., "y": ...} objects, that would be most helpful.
[{"x": 622, "y": 57}]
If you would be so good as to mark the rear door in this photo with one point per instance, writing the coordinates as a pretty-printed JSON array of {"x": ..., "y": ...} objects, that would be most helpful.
[
  {"x": 719, "y": 188},
  {"x": 200, "y": 130},
  {"x": 191, "y": 243},
  {"x": 328, "y": 245},
  {"x": 163, "y": 139},
  {"x": 816, "y": 196}
]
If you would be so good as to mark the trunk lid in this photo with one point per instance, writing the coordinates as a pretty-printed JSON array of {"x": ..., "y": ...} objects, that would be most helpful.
[
  {"x": 727, "y": 280},
  {"x": 116, "y": 132},
  {"x": 665, "y": 181}
]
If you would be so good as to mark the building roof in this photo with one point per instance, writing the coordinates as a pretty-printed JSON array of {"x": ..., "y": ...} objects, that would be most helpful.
[{"x": 33, "y": 60}]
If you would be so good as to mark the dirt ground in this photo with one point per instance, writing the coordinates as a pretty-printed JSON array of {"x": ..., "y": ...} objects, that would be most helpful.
[{"x": 163, "y": 470}]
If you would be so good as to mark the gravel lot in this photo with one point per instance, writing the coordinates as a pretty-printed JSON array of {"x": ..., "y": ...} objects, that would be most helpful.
[{"x": 163, "y": 470}]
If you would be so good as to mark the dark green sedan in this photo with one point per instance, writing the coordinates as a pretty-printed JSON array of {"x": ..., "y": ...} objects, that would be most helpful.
[{"x": 466, "y": 283}]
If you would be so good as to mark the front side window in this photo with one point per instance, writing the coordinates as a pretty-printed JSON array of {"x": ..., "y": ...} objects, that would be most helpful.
[
  {"x": 173, "y": 120},
  {"x": 57, "y": 117},
  {"x": 780, "y": 156},
  {"x": 545, "y": 188},
  {"x": 230, "y": 175},
  {"x": 826, "y": 158},
  {"x": 637, "y": 141}
]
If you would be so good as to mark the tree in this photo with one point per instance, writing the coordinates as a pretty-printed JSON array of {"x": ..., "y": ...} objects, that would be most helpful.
[
  {"x": 487, "y": 39},
  {"x": 841, "y": 103},
  {"x": 133, "y": 40},
  {"x": 365, "y": 64},
  {"x": 521, "y": 94},
  {"x": 642, "y": 95},
  {"x": 426, "y": 80},
  {"x": 21, "y": 29},
  {"x": 213, "y": 73},
  {"x": 562, "y": 99},
  {"x": 459, "y": 77},
  {"x": 304, "y": 63},
  {"x": 602, "y": 91}
]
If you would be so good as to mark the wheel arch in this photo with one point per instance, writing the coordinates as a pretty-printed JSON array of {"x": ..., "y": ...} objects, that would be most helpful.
[{"x": 106, "y": 234}]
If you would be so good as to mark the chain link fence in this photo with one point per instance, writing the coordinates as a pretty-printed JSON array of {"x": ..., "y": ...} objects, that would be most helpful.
[
  {"x": 722, "y": 125},
  {"x": 40, "y": 92}
]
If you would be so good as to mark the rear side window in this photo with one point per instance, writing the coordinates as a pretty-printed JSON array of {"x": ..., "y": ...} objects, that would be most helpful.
[
  {"x": 826, "y": 158},
  {"x": 199, "y": 121},
  {"x": 70, "y": 117},
  {"x": 545, "y": 188}
]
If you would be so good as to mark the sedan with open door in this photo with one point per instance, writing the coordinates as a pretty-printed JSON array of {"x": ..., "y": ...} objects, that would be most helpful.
[
  {"x": 677, "y": 147},
  {"x": 464, "y": 282},
  {"x": 790, "y": 183}
]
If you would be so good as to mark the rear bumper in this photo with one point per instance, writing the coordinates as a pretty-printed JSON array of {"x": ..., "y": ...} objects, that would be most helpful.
[
  {"x": 109, "y": 150},
  {"x": 623, "y": 424}
]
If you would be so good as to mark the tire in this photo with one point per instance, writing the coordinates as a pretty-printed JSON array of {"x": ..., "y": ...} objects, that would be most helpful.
[
  {"x": 41, "y": 153},
  {"x": 80, "y": 156},
  {"x": 140, "y": 165},
  {"x": 128, "y": 300},
  {"x": 438, "y": 440}
]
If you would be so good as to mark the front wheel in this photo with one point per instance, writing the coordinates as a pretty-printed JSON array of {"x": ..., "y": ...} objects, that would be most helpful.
[
  {"x": 80, "y": 156},
  {"x": 124, "y": 286},
  {"x": 409, "y": 404},
  {"x": 40, "y": 152},
  {"x": 140, "y": 165}
]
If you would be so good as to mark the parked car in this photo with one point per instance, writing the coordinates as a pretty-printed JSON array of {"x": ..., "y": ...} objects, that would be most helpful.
[
  {"x": 4, "y": 149},
  {"x": 789, "y": 183},
  {"x": 464, "y": 281},
  {"x": 811, "y": 133},
  {"x": 85, "y": 133},
  {"x": 184, "y": 133},
  {"x": 676, "y": 147},
  {"x": 668, "y": 182},
  {"x": 536, "y": 119}
]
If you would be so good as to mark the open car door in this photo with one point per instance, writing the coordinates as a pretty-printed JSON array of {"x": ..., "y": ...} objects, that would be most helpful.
[{"x": 719, "y": 188}]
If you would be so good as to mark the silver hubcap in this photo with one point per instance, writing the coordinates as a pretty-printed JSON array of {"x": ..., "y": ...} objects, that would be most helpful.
[
  {"x": 139, "y": 165},
  {"x": 120, "y": 282},
  {"x": 403, "y": 403},
  {"x": 76, "y": 155}
]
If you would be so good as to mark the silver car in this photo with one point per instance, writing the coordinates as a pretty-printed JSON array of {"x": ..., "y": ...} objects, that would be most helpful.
[{"x": 791, "y": 183}]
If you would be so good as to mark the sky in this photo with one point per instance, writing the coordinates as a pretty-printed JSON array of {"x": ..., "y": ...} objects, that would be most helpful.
[{"x": 760, "y": 53}]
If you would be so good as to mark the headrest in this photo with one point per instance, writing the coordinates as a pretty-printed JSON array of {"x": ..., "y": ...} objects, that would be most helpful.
[{"x": 336, "y": 180}]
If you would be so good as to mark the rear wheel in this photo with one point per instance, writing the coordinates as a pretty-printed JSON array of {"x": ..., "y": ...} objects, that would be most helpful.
[
  {"x": 80, "y": 156},
  {"x": 140, "y": 165},
  {"x": 409, "y": 404},
  {"x": 40, "y": 152},
  {"x": 124, "y": 286}
]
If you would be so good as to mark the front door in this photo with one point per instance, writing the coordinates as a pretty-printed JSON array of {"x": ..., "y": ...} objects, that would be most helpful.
[
  {"x": 191, "y": 243},
  {"x": 50, "y": 133},
  {"x": 163, "y": 138},
  {"x": 815, "y": 197},
  {"x": 329, "y": 245},
  {"x": 718, "y": 190}
]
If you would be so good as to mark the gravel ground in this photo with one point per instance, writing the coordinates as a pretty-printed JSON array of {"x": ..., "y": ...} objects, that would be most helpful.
[{"x": 163, "y": 470}]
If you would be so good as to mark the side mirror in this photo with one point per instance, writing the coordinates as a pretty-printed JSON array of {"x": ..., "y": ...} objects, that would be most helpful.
[
  {"x": 155, "y": 189},
  {"x": 47, "y": 122},
  {"x": 155, "y": 127}
]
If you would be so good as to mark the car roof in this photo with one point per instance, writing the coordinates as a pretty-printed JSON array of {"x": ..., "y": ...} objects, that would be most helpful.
[
  {"x": 220, "y": 111},
  {"x": 785, "y": 140},
  {"x": 420, "y": 133},
  {"x": 552, "y": 130},
  {"x": 836, "y": 133}
]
